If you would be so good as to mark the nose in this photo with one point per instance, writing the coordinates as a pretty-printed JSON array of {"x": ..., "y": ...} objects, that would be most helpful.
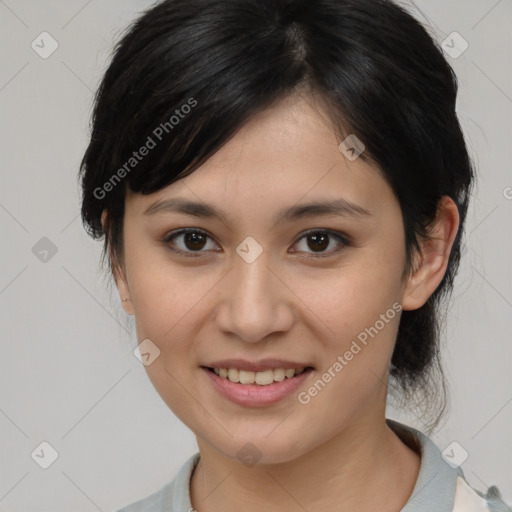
[{"x": 255, "y": 302}]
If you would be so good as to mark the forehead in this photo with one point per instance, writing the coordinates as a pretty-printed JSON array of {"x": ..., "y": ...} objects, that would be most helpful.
[{"x": 284, "y": 155}]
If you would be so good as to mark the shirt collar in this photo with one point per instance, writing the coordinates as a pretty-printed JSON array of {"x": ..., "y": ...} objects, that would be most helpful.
[{"x": 437, "y": 481}]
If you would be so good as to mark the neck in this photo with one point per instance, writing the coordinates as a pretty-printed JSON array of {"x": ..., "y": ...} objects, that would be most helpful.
[{"x": 365, "y": 466}]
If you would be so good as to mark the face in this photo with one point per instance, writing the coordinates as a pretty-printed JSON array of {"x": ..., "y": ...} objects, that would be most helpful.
[{"x": 315, "y": 290}]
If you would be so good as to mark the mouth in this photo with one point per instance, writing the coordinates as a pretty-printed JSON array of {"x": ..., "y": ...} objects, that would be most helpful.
[
  {"x": 260, "y": 378},
  {"x": 249, "y": 388}
]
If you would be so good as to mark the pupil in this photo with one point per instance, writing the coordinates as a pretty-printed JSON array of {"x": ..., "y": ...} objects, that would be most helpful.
[
  {"x": 322, "y": 244},
  {"x": 191, "y": 239}
]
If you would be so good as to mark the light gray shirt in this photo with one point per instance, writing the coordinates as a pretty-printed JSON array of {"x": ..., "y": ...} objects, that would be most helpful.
[{"x": 439, "y": 487}]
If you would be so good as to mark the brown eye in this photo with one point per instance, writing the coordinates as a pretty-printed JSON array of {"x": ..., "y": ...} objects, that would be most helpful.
[
  {"x": 194, "y": 241},
  {"x": 190, "y": 241},
  {"x": 318, "y": 241}
]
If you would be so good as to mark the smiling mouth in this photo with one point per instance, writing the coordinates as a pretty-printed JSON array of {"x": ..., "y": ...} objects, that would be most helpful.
[{"x": 263, "y": 378}]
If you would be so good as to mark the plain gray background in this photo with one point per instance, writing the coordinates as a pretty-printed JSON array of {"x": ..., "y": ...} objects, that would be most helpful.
[{"x": 68, "y": 373}]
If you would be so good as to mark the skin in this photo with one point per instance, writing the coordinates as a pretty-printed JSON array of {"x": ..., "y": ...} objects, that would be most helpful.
[{"x": 337, "y": 448}]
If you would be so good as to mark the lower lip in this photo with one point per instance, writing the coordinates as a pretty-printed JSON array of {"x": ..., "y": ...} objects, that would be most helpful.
[{"x": 254, "y": 395}]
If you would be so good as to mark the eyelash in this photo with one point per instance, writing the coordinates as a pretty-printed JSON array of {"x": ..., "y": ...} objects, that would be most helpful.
[{"x": 344, "y": 242}]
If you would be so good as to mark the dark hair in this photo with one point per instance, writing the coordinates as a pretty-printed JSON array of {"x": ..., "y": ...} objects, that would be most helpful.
[{"x": 188, "y": 74}]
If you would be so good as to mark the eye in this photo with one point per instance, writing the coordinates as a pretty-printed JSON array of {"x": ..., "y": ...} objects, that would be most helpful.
[
  {"x": 194, "y": 240},
  {"x": 319, "y": 240}
]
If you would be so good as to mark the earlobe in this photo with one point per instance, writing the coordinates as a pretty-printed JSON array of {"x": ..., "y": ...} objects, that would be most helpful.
[
  {"x": 123, "y": 289},
  {"x": 119, "y": 275},
  {"x": 430, "y": 266}
]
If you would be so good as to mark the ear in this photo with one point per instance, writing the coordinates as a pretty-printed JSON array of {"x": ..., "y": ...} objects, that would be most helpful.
[
  {"x": 119, "y": 274},
  {"x": 431, "y": 263}
]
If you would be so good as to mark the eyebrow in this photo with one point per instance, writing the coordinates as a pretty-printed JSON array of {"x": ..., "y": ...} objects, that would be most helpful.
[{"x": 339, "y": 207}]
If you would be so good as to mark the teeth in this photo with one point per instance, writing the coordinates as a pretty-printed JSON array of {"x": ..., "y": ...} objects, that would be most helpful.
[
  {"x": 279, "y": 374},
  {"x": 233, "y": 375},
  {"x": 262, "y": 378},
  {"x": 246, "y": 377},
  {"x": 289, "y": 373}
]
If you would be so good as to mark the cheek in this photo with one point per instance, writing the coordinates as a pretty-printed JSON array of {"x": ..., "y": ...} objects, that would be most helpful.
[
  {"x": 352, "y": 297},
  {"x": 359, "y": 303},
  {"x": 363, "y": 311},
  {"x": 163, "y": 297},
  {"x": 162, "y": 291}
]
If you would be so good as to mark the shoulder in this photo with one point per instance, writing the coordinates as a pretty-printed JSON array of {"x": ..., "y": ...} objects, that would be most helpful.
[
  {"x": 172, "y": 497},
  {"x": 468, "y": 499},
  {"x": 440, "y": 485},
  {"x": 153, "y": 503}
]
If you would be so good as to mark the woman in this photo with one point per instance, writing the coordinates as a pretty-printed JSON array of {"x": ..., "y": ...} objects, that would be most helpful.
[{"x": 282, "y": 187}]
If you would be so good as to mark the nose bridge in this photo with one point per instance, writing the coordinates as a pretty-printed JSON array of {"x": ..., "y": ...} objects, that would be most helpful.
[
  {"x": 252, "y": 283},
  {"x": 254, "y": 303}
]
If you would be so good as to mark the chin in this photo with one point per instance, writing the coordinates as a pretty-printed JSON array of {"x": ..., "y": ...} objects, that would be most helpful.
[{"x": 261, "y": 448}]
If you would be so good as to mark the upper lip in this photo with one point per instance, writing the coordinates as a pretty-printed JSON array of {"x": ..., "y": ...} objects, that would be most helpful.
[{"x": 257, "y": 366}]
